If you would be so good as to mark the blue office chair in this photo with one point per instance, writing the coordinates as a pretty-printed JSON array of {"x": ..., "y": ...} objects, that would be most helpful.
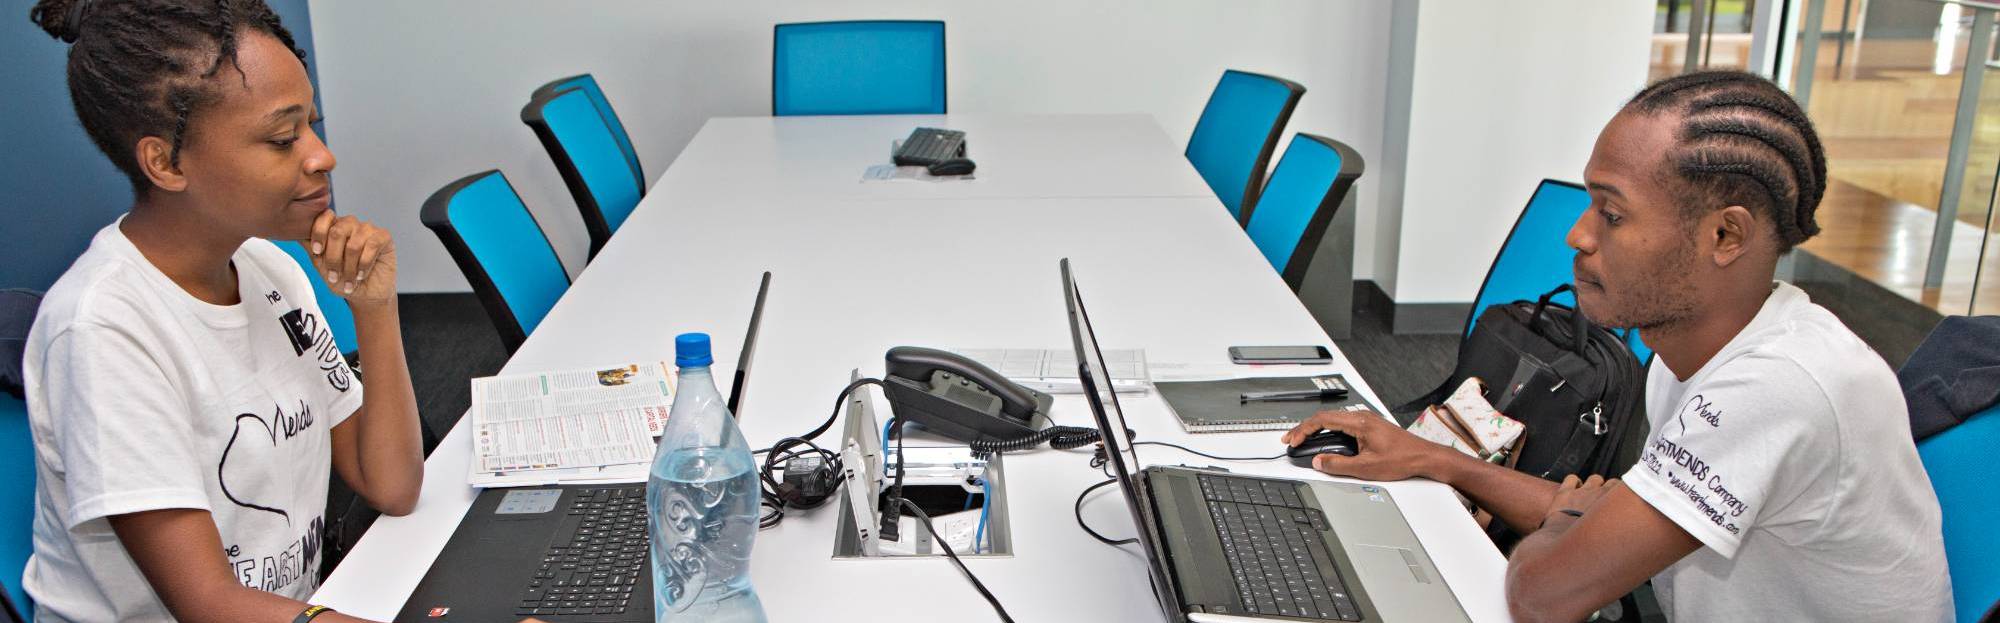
[
  {"x": 338, "y": 318},
  {"x": 1236, "y": 134},
  {"x": 1296, "y": 207},
  {"x": 880, "y": 67},
  {"x": 586, "y": 153},
  {"x": 1962, "y": 471},
  {"x": 1537, "y": 257},
  {"x": 17, "y": 503},
  {"x": 501, "y": 249},
  {"x": 17, "y": 454},
  {"x": 588, "y": 85}
]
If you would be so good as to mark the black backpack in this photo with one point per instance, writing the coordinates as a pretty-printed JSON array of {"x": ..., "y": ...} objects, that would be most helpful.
[{"x": 1576, "y": 386}]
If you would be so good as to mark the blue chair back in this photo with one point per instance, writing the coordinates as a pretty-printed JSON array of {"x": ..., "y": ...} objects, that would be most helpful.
[
  {"x": 587, "y": 155},
  {"x": 588, "y": 84},
  {"x": 1236, "y": 134},
  {"x": 501, "y": 249},
  {"x": 858, "y": 68},
  {"x": 17, "y": 501},
  {"x": 1537, "y": 257},
  {"x": 338, "y": 318},
  {"x": 1963, "y": 473},
  {"x": 17, "y": 454},
  {"x": 1312, "y": 179}
]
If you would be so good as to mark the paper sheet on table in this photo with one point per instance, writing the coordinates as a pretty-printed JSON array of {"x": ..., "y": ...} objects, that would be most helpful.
[
  {"x": 892, "y": 173},
  {"x": 577, "y": 422}
]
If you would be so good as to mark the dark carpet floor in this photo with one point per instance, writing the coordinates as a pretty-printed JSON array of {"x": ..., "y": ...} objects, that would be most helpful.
[{"x": 1397, "y": 367}]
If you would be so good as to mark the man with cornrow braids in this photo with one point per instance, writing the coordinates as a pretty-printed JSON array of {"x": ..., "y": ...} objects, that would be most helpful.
[
  {"x": 1779, "y": 480},
  {"x": 186, "y": 398}
]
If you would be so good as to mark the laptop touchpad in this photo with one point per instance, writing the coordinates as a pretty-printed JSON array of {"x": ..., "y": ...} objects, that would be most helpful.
[
  {"x": 1382, "y": 562},
  {"x": 528, "y": 501}
]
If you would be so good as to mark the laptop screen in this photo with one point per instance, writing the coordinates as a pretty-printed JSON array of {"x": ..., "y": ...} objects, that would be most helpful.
[
  {"x": 742, "y": 379},
  {"x": 1117, "y": 441}
]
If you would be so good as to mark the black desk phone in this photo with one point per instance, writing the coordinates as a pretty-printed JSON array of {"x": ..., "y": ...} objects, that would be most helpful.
[{"x": 948, "y": 394}]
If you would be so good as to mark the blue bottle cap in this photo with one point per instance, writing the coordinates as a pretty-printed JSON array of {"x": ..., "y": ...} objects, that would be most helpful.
[{"x": 691, "y": 350}]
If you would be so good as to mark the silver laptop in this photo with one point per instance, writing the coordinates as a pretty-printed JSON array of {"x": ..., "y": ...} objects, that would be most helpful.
[{"x": 1293, "y": 549}]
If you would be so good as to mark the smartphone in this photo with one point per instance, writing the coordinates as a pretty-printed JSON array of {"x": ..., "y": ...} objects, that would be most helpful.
[{"x": 1280, "y": 354}]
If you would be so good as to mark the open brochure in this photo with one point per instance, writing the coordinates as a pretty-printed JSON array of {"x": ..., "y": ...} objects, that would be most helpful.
[{"x": 568, "y": 426}]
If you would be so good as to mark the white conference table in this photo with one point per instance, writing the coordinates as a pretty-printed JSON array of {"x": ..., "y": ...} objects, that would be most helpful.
[{"x": 854, "y": 276}]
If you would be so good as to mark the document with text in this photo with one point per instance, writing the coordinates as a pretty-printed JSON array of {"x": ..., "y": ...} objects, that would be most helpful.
[{"x": 542, "y": 427}]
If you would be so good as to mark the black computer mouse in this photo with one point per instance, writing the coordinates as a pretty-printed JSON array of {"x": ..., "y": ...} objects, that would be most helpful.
[
  {"x": 954, "y": 166},
  {"x": 1319, "y": 443}
]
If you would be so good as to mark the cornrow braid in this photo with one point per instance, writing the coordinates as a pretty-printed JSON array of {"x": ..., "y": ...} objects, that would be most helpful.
[
  {"x": 1741, "y": 141},
  {"x": 141, "y": 68},
  {"x": 1782, "y": 106}
]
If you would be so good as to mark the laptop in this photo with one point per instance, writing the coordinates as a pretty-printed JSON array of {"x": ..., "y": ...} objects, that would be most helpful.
[
  {"x": 1293, "y": 549},
  {"x": 562, "y": 553}
]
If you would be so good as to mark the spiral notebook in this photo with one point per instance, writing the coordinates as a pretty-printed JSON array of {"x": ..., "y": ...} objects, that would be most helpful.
[{"x": 1217, "y": 406}]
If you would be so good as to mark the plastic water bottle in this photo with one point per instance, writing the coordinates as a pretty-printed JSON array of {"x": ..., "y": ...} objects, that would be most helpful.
[{"x": 701, "y": 503}]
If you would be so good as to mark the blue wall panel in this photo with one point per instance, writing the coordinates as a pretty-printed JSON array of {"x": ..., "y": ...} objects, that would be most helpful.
[{"x": 55, "y": 188}]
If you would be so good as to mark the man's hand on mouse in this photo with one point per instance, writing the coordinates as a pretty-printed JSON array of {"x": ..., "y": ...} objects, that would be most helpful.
[{"x": 1383, "y": 450}]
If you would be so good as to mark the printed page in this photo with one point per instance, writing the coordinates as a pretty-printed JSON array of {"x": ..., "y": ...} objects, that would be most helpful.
[{"x": 572, "y": 419}]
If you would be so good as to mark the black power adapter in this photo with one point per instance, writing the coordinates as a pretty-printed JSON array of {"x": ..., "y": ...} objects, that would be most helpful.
[{"x": 808, "y": 482}]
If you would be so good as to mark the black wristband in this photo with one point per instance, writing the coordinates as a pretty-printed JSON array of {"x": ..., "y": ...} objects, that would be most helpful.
[{"x": 310, "y": 613}]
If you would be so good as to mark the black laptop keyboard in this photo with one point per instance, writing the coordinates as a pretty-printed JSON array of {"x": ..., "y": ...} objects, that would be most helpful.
[
  {"x": 1271, "y": 540},
  {"x": 593, "y": 570}
]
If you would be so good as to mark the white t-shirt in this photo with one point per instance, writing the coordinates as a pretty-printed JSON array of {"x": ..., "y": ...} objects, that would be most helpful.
[
  {"x": 142, "y": 397},
  {"x": 1789, "y": 457}
]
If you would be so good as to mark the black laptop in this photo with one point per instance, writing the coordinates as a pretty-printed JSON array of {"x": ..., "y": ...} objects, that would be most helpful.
[{"x": 561, "y": 554}]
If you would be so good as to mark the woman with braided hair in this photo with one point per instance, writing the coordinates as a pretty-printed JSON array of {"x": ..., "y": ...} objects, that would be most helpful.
[
  {"x": 1780, "y": 481},
  {"x": 186, "y": 398}
]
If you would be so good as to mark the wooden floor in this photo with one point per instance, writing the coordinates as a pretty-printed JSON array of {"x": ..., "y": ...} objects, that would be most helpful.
[{"x": 1886, "y": 241}]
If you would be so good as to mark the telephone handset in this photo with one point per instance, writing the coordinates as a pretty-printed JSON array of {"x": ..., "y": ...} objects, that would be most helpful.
[{"x": 950, "y": 395}]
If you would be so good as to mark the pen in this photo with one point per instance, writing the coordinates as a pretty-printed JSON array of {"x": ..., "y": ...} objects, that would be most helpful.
[{"x": 1333, "y": 393}]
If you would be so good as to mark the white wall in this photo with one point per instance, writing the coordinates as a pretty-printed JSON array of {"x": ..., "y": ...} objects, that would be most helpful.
[
  {"x": 1503, "y": 94},
  {"x": 420, "y": 93},
  {"x": 1387, "y": 172}
]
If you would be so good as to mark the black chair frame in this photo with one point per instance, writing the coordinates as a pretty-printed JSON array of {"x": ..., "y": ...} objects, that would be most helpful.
[
  {"x": 550, "y": 90},
  {"x": 1351, "y": 167},
  {"x": 1255, "y": 184},
  {"x": 436, "y": 215},
  {"x": 586, "y": 203}
]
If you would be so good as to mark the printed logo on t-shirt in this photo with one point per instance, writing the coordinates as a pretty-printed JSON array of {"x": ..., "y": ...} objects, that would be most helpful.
[
  {"x": 276, "y": 571},
  {"x": 309, "y": 336},
  {"x": 1685, "y": 469},
  {"x": 1701, "y": 409},
  {"x": 258, "y": 446},
  {"x": 256, "y": 449}
]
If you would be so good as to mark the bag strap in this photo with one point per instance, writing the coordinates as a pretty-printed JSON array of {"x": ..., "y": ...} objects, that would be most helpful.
[
  {"x": 1576, "y": 316},
  {"x": 1582, "y": 441}
]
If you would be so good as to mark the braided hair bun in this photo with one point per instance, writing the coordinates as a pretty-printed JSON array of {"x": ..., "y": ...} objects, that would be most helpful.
[{"x": 62, "y": 19}]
